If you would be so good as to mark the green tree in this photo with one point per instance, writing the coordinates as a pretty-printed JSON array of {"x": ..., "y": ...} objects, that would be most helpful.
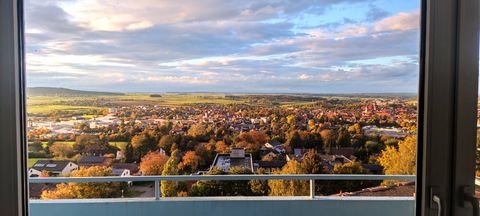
[
  {"x": 166, "y": 143},
  {"x": 142, "y": 144},
  {"x": 170, "y": 188},
  {"x": 36, "y": 146},
  {"x": 333, "y": 187},
  {"x": 343, "y": 138},
  {"x": 294, "y": 140},
  {"x": 210, "y": 188},
  {"x": 129, "y": 157}
]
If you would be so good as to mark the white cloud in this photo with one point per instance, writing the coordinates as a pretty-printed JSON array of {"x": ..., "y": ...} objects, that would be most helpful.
[
  {"x": 403, "y": 21},
  {"x": 304, "y": 77}
]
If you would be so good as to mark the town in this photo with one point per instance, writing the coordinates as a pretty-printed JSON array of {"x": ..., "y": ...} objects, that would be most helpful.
[{"x": 218, "y": 135}]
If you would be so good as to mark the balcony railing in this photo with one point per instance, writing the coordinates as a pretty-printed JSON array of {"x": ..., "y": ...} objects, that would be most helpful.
[
  {"x": 156, "y": 179},
  {"x": 221, "y": 206}
]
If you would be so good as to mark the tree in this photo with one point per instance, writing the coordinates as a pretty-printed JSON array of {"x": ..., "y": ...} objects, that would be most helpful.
[
  {"x": 61, "y": 150},
  {"x": 343, "y": 138},
  {"x": 223, "y": 188},
  {"x": 238, "y": 188},
  {"x": 166, "y": 143},
  {"x": 200, "y": 131},
  {"x": 294, "y": 140},
  {"x": 142, "y": 144},
  {"x": 191, "y": 161},
  {"x": 289, "y": 187},
  {"x": 210, "y": 188},
  {"x": 372, "y": 147},
  {"x": 221, "y": 147},
  {"x": 153, "y": 163},
  {"x": 355, "y": 129},
  {"x": 170, "y": 188},
  {"x": 86, "y": 190},
  {"x": 401, "y": 160},
  {"x": 312, "y": 163},
  {"x": 259, "y": 187},
  {"x": 36, "y": 146},
  {"x": 85, "y": 143},
  {"x": 329, "y": 138},
  {"x": 129, "y": 157},
  {"x": 333, "y": 187}
]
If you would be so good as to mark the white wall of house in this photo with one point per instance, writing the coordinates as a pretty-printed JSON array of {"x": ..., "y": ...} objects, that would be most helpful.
[
  {"x": 34, "y": 172},
  {"x": 69, "y": 169}
]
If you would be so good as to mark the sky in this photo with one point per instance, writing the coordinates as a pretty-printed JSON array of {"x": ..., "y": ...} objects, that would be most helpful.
[{"x": 259, "y": 46}]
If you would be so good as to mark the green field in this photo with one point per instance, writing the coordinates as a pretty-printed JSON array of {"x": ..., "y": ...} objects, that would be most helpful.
[
  {"x": 89, "y": 106},
  {"x": 120, "y": 145},
  {"x": 46, "y": 109}
]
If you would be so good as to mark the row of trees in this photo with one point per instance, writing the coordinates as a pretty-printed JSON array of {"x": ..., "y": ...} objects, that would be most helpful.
[{"x": 399, "y": 159}]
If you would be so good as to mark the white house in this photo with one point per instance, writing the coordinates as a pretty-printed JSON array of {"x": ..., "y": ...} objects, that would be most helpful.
[{"x": 53, "y": 167}]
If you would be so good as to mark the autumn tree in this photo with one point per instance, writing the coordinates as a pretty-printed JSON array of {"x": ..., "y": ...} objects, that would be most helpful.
[
  {"x": 333, "y": 187},
  {"x": 329, "y": 139},
  {"x": 223, "y": 188},
  {"x": 191, "y": 161},
  {"x": 86, "y": 190},
  {"x": 401, "y": 160},
  {"x": 289, "y": 187},
  {"x": 209, "y": 187},
  {"x": 200, "y": 131},
  {"x": 166, "y": 143},
  {"x": 238, "y": 188},
  {"x": 142, "y": 144},
  {"x": 221, "y": 147},
  {"x": 294, "y": 140},
  {"x": 129, "y": 157},
  {"x": 170, "y": 188},
  {"x": 343, "y": 138},
  {"x": 153, "y": 163},
  {"x": 252, "y": 141},
  {"x": 312, "y": 163},
  {"x": 90, "y": 143},
  {"x": 61, "y": 150},
  {"x": 355, "y": 129},
  {"x": 36, "y": 146},
  {"x": 259, "y": 187}
]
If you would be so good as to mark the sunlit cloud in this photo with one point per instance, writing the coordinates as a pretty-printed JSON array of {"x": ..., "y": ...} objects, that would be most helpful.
[{"x": 216, "y": 45}]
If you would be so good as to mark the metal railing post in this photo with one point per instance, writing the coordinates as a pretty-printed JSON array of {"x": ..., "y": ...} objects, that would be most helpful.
[
  {"x": 312, "y": 188},
  {"x": 157, "y": 189}
]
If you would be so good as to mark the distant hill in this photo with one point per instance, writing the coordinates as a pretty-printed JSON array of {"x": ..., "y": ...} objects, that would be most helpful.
[{"x": 51, "y": 91}]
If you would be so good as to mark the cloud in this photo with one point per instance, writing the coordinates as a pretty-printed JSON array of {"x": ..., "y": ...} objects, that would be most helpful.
[
  {"x": 403, "y": 21},
  {"x": 213, "y": 45},
  {"x": 112, "y": 15}
]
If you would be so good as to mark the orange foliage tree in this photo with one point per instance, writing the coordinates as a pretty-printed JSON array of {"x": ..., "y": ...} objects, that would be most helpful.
[
  {"x": 191, "y": 160},
  {"x": 153, "y": 163},
  {"x": 86, "y": 190}
]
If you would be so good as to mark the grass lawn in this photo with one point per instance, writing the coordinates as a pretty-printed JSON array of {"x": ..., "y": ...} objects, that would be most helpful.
[
  {"x": 120, "y": 145},
  {"x": 70, "y": 143}
]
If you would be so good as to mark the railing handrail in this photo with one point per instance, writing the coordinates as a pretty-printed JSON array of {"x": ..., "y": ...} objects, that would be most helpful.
[
  {"x": 220, "y": 178},
  {"x": 156, "y": 179}
]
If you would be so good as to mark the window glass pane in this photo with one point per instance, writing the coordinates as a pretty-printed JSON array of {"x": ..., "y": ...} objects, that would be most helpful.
[{"x": 211, "y": 87}]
